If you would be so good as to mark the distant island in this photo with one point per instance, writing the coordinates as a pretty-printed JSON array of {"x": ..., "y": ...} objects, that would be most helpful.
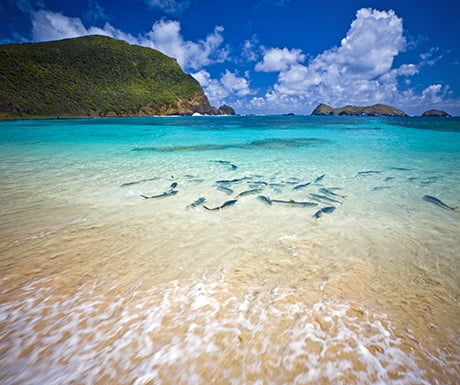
[
  {"x": 436, "y": 113},
  {"x": 96, "y": 76},
  {"x": 375, "y": 110}
]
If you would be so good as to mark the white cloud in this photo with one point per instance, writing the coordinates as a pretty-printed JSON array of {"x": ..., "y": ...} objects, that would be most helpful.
[
  {"x": 214, "y": 89},
  {"x": 435, "y": 93},
  {"x": 235, "y": 84},
  {"x": 359, "y": 71},
  {"x": 431, "y": 57},
  {"x": 229, "y": 85},
  {"x": 250, "y": 51},
  {"x": 53, "y": 26},
  {"x": 165, "y": 36},
  {"x": 276, "y": 59}
]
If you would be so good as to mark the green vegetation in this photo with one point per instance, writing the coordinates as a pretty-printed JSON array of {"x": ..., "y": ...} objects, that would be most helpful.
[{"x": 93, "y": 76}]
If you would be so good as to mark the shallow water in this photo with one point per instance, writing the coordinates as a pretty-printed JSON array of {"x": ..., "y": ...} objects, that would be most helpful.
[{"x": 100, "y": 285}]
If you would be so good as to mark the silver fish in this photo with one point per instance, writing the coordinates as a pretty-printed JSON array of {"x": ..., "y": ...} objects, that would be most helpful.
[
  {"x": 323, "y": 198},
  {"x": 163, "y": 195},
  {"x": 438, "y": 202},
  {"x": 225, "y": 204},
  {"x": 324, "y": 210},
  {"x": 198, "y": 202}
]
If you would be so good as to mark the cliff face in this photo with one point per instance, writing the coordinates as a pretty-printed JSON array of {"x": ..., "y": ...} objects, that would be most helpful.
[
  {"x": 94, "y": 76},
  {"x": 198, "y": 103},
  {"x": 375, "y": 110}
]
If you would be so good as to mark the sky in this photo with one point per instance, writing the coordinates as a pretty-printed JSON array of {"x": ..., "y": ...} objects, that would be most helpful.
[{"x": 276, "y": 56}]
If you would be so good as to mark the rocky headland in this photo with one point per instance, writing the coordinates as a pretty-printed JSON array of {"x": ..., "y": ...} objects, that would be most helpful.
[{"x": 96, "y": 76}]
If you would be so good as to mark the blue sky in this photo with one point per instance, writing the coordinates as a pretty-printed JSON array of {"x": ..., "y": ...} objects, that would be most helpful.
[{"x": 277, "y": 56}]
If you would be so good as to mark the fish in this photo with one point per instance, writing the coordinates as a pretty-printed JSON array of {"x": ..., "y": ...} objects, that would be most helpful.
[
  {"x": 388, "y": 178},
  {"x": 138, "y": 181},
  {"x": 327, "y": 191},
  {"x": 379, "y": 188},
  {"x": 225, "y": 189},
  {"x": 265, "y": 199},
  {"x": 295, "y": 203},
  {"x": 370, "y": 172},
  {"x": 299, "y": 186},
  {"x": 320, "y": 178},
  {"x": 225, "y": 204},
  {"x": 226, "y": 162},
  {"x": 248, "y": 192},
  {"x": 196, "y": 203},
  {"x": 324, "y": 198},
  {"x": 438, "y": 202},
  {"x": 324, "y": 210},
  {"x": 163, "y": 195},
  {"x": 236, "y": 180},
  {"x": 173, "y": 185},
  {"x": 399, "y": 168},
  {"x": 291, "y": 180}
]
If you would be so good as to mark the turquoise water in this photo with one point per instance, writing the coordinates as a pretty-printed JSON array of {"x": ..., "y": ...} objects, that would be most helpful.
[{"x": 100, "y": 284}]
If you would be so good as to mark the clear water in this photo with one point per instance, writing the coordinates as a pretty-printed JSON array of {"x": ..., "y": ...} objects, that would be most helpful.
[{"x": 100, "y": 285}]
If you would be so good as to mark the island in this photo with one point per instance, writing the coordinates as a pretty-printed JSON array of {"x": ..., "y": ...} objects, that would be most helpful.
[
  {"x": 374, "y": 110},
  {"x": 436, "y": 113},
  {"x": 95, "y": 76}
]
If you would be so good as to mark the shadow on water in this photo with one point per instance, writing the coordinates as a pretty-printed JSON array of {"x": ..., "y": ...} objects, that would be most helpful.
[
  {"x": 428, "y": 123},
  {"x": 270, "y": 143}
]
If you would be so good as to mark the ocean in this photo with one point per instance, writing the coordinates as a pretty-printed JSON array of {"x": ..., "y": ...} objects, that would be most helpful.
[{"x": 230, "y": 250}]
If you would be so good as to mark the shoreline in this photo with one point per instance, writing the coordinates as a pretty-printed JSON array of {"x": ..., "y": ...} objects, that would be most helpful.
[
  {"x": 287, "y": 116},
  {"x": 90, "y": 264}
]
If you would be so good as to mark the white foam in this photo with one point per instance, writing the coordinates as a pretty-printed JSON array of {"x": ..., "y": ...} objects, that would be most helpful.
[{"x": 190, "y": 333}]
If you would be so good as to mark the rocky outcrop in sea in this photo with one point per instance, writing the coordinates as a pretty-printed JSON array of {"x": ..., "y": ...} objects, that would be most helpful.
[
  {"x": 349, "y": 110},
  {"x": 436, "y": 113}
]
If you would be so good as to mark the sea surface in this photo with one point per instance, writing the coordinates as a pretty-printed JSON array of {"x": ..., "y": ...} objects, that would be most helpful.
[{"x": 230, "y": 250}]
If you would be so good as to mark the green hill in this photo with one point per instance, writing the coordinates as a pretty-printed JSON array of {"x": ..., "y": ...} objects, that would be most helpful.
[{"x": 94, "y": 76}]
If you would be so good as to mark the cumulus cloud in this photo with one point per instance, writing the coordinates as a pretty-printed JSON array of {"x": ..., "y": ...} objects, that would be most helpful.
[
  {"x": 235, "y": 84},
  {"x": 435, "y": 93},
  {"x": 165, "y": 36},
  {"x": 229, "y": 85},
  {"x": 277, "y": 60},
  {"x": 53, "y": 26},
  {"x": 358, "y": 71}
]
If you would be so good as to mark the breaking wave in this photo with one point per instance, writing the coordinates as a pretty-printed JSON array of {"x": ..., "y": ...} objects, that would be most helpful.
[{"x": 195, "y": 333}]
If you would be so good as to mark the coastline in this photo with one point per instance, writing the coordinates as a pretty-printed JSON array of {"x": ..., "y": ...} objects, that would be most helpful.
[{"x": 205, "y": 115}]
